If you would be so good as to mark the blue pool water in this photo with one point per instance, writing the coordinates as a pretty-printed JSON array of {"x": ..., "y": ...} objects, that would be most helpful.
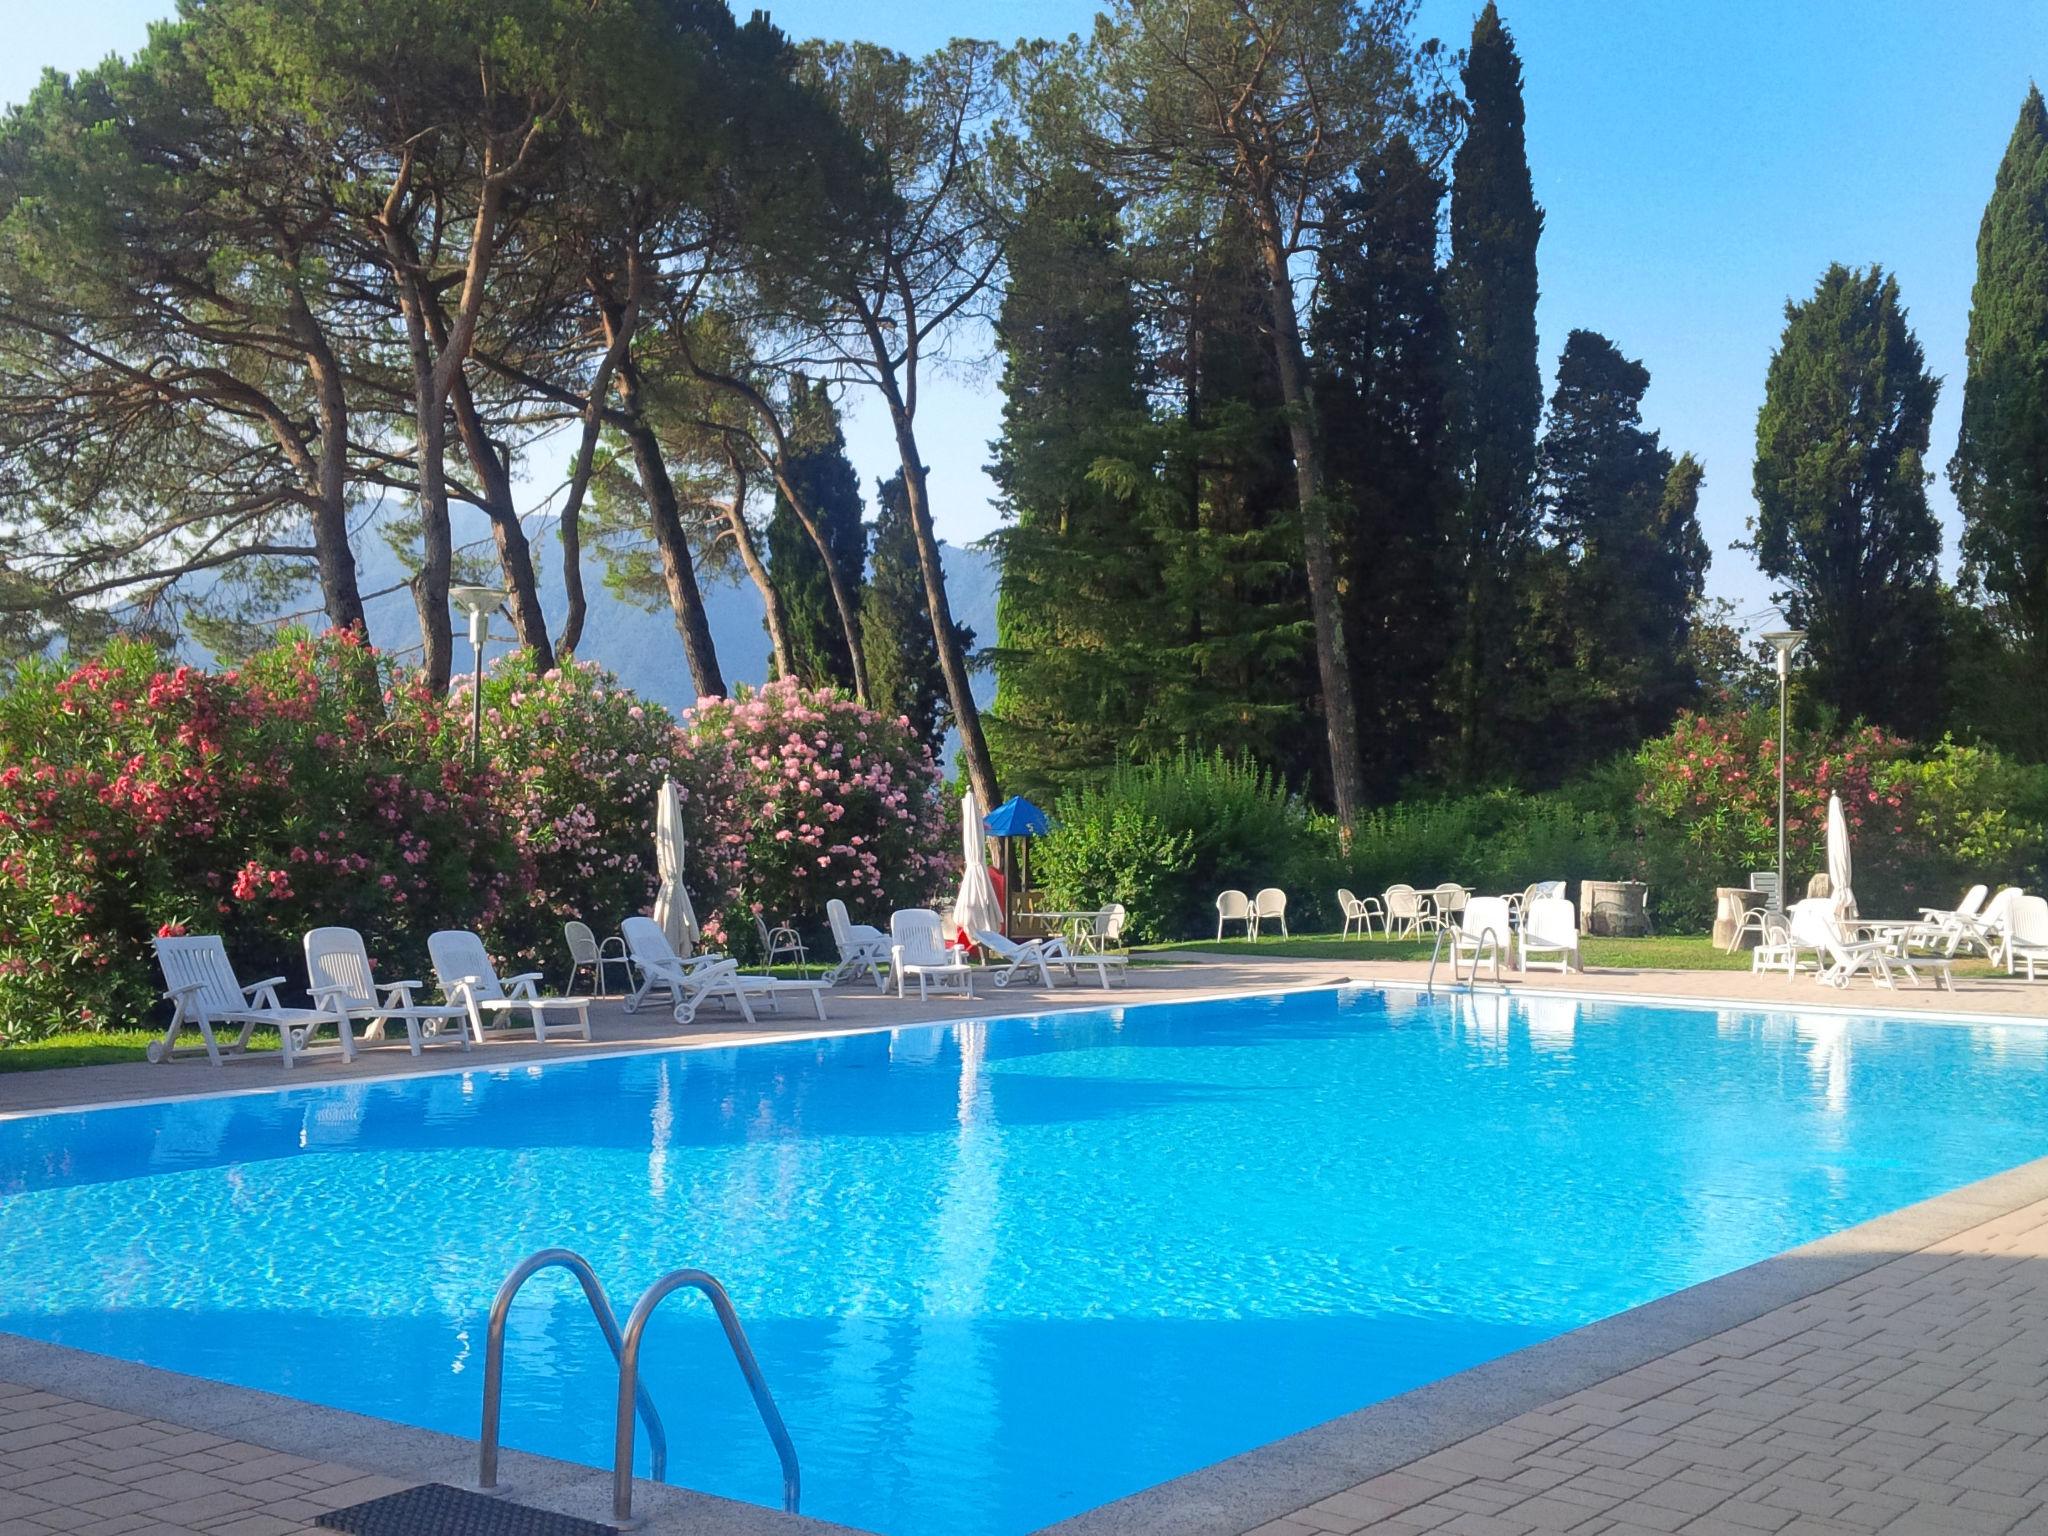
[{"x": 997, "y": 1273}]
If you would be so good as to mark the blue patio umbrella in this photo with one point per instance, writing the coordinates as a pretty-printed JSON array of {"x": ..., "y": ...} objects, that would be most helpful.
[{"x": 1015, "y": 817}]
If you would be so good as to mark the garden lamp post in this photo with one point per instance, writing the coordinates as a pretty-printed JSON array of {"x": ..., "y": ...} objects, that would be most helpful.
[
  {"x": 477, "y": 604},
  {"x": 1784, "y": 642}
]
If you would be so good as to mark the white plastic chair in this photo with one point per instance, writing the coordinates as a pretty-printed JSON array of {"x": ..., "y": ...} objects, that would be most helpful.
[
  {"x": 1270, "y": 903},
  {"x": 1483, "y": 932},
  {"x": 1234, "y": 907},
  {"x": 200, "y": 985},
  {"x": 1448, "y": 900},
  {"x": 1404, "y": 910},
  {"x": 1105, "y": 930},
  {"x": 339, "y": 979},
  {"x": 2026, "y": 935},
  {"x": 1778, "y": 948},
  {"x": 1362, "y": 912},
  {"x": 1549, "y": 928},
  {"x": 863, "y": 948},
  {"x": 463, "y": 968},
  {"x": 780, "y": 942},
  {"x": 587, "y": 954},
  {"x": 918, "y": 948}
]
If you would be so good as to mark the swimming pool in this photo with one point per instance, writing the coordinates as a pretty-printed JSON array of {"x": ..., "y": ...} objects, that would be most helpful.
[{"x": 997, "y": 1273}]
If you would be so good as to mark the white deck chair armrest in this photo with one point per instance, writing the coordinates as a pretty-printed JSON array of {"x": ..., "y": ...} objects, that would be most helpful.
[
  {"x": 704, "y": 973},
  {"x": 179, "y": 994},
  {"x": 264, "y": 985},
  {"x": 327, "y": 990},
  {"x": 398, "y": 993}
]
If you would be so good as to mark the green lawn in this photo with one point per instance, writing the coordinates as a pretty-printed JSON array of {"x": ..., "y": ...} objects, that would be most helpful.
[
  {"x": 1678, "y": 952},
  {"x": 84, "y": 1048}
]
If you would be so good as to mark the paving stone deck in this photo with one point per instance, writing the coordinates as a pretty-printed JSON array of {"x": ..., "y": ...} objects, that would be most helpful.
[{"x": 1911, "y": 1400}]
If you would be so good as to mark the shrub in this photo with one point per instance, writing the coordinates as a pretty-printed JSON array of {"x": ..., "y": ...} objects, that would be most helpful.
[
  {"x": 793, "y": 796},
  {"x": 137, "y": 797},
  {"x": 1496, "y": 842},
  {"x": 1164, "y": 837},
  {"x": 1923, "y": 823},
  {"x": 577, "y": 765}
]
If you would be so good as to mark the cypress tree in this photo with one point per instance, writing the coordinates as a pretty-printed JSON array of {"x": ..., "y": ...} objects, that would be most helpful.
[
  {"x": 2000, "y": 469},
  {"x": 1841, "y": 488},
  {"x": 1385, "y": 366},
  {"x": 1079, "y": 570},
  {"x": 817, "y": 464},
  {"x": 1612, "y": 616},
  {"x": 1495, "y": 225},
  {"x": 896, "y": 626}
]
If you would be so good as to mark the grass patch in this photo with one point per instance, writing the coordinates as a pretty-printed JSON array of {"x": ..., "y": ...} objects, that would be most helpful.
[
  {"x": 90, "y": 1048},
  {"x": 1675, "y": 952}
]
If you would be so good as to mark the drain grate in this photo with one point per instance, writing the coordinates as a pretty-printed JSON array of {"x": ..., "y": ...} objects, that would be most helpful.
[{"x": 435, "y": 1509}]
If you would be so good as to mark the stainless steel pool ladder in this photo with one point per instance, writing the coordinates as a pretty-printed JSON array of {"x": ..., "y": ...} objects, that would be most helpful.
[
  {"x": 632, "y": 1394},
  {"x": 494, "y": 1357},
  {"x": 1489, "y": 942}
]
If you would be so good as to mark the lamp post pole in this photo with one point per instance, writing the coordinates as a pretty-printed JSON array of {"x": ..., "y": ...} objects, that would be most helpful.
[
  {"x": 1784, "y": 642},
  {"x": 477, "y": 604}
]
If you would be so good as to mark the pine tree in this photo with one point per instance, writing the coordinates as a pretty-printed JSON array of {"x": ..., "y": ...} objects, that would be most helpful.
[
  {"x": 1079, "y": 572},
  {"x": 1495, "y": 226},
  {"x": 1612, "y": 614},
  {"x": 818, "y": 466},
  {"x": 2000, "y": 468},
  {"x": 896, "y": 626},
  {"x": 1841, "y": 488},
  {"x": 1385, "y": 364}
]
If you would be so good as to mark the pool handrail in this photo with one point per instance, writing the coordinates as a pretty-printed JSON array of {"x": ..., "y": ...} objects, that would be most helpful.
[
  {"x": 494, "y": 1358},
  {"x": 743, "y": 1355}
]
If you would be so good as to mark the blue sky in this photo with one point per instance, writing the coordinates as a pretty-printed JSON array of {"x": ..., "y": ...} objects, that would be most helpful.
[{"x": 1700, "y": 163}]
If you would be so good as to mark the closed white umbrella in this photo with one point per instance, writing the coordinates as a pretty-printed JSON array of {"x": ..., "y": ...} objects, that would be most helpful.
[
  {"x": 672, "y": 902},
  {"x": 975, "y": 909},
  {"x": 1838, "y": 860}
]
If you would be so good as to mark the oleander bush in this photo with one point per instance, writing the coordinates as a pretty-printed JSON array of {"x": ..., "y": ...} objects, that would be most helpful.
[
  {"x": 308, "y": 786},
  {"x": 793, "y": 796},
  {"x": 320, "y": 784}
]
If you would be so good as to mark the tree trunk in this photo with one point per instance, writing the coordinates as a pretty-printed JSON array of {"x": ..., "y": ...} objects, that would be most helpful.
[
  {"x": 664, "y": 517},
  {"x": 771, "y": 595},
  {"x": 339, "y": 592},
  {"x": 515, "y": 554},
  {"x": 437, "y": 555},
  {"x": 981, "y": 772},
  {"x": 1333, "y": 656}
]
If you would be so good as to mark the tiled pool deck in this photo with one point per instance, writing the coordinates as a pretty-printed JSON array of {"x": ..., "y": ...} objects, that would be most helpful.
[{"x": 1892, "y": 1379}]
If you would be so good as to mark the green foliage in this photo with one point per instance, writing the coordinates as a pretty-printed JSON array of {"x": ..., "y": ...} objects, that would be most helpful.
[
  {"x": 825, "y": 478},
  {"x": 1385, "y": 356},
  {"x": 1075, "y": 655},
  {"x": 1614, "y": 594},
  {"x": 1163, "y": 838},
  {"x": 1495, "y": 226},
  {"x": 2000, "y": 468},
  {"x": 1841, "y": 488},
  {"x": 896, "y": 625}
]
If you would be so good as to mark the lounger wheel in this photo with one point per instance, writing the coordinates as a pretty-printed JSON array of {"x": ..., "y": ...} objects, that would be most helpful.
[
  {"x": 632, "y": 1004},
  {"x": 1001, "y": 981},
  {"x": 156, "y": 1051}
]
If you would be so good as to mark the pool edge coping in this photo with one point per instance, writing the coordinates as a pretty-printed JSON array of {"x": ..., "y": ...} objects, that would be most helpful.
[
  {"x": 793, "y": 1037},
  {"x": 1271, "y": 1481}
]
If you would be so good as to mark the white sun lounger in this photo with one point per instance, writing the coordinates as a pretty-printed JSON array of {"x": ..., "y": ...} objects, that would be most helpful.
[
  {"x": 463, "y": 968},
  {"x": 706, "y": 977},
  {"x": 339, "y": 979},
  {"x": 201, "y": 986}
]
